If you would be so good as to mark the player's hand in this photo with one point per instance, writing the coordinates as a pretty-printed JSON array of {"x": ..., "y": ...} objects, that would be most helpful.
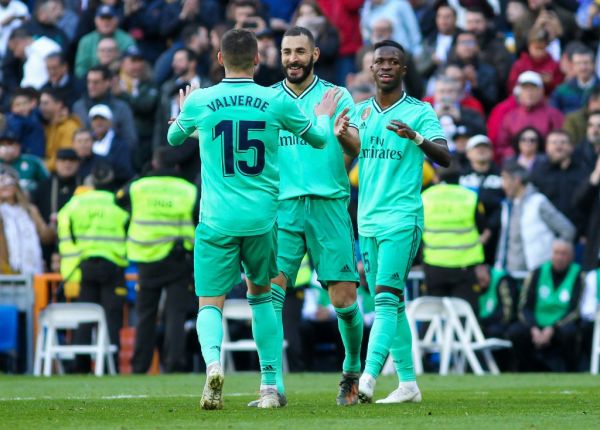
[
  {"x": 171, "y": 120},
  {"x": 342, "y": 122},
  {"x": 329, "y": 102},
  {"x": 183, "y": 95},
  {"x": 401, "y": 129}
]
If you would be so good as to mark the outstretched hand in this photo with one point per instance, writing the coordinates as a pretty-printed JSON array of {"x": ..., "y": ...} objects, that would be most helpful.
[
  {"x": 342, "y": 122},
  {"x": 328, "y": 104},
  {"x": 401, "y": 129},
  {"x": 183, "y": 95}
]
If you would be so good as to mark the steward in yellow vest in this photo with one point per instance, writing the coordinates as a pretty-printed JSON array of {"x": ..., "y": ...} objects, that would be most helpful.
[
  {"x": 160, "y": 240},
  {"x": 451, "y": 245},
  {"x": 92, "y": 231}
]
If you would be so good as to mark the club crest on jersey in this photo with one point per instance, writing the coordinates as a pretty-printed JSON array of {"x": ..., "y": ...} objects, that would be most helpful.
[{"x": 365, "y": 113}]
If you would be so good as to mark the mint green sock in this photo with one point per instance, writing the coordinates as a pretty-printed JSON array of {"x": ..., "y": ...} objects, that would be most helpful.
[
  {"x": 209, "y": 326},
  {"x": 382, "y": 332},
  {"x": 350, "y": 324},
  {"x": 278, "y": 295},
  {"x": 264, "y": 330},
  {"x": 401, "y": 349}
]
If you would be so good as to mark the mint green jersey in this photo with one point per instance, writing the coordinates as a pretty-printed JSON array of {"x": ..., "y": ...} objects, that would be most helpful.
[
  {"x": 391, "y": 167},
  {"x": 304, "y": 170},
  {"x": 238, "y": 124}
]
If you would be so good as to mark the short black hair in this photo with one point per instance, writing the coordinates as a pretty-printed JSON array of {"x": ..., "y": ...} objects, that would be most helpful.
[
  {"x": 190, "y": 31},
  {"x": 515, "y": 170},
  {"x": 390, "y": 43},
  {"x": 60, "y": 56},
  {"x": 239, "y": 48},
  {"x": 56, "y": 94},
  {"x": 191, "y": 55},
  {"x": 27, "y": 92},
  {"x": 301, "y": 31},
  {"x": 106, "y": 73},
  {"x": 20, "y": 33}
]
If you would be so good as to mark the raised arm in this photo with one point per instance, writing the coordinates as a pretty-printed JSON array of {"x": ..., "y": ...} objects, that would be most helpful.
[{"x": 183, "y": 126}]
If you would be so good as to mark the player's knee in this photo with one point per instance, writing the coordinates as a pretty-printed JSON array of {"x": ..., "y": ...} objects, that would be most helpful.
[
  {"x": 280, "y": 280},
  {"x": 342, "y": 294}
]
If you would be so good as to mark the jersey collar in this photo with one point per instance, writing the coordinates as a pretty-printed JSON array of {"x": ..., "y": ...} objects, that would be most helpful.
[
  {"x": 381, "y": 110},
  {"x": 237, "y": 80},
  {"x": 293, "y": 95}
]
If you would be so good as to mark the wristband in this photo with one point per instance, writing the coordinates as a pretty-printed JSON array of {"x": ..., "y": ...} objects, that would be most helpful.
[{"x": 418, "y": 139}]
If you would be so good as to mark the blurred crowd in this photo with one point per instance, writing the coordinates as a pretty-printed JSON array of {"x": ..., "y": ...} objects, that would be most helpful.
[{"x": 515, "y": 84}]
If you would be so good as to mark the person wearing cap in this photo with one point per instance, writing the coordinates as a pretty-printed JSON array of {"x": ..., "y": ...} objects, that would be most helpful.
[
  {"x": 452, "y": 245},
  {"x": 108, "y": 144},
  {"x": 161, "y": 243},
  {"x": 482, "y": 176},
  {"x": 94, "y": 228},
  {"x": 135, "y": 87},
  {"x": 531, "y": 110},
  {"x": 106, "y": 23},
  {"x": 60, "y": 124},
  {"x": 31, "y": 169}
]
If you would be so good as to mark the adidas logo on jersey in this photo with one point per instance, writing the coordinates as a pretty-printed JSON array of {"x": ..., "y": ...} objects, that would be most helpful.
[
  {"x": 396, "y": 276},
  {"x": 346, "y": 269}
]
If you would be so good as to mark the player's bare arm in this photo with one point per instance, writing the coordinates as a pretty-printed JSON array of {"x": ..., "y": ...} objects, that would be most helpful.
[
  {"x": 437, "y": 150},
  {"x": 346, "y": 135}
]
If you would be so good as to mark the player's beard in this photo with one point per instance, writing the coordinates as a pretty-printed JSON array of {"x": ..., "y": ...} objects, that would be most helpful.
[{"x": 301, "y": 77}]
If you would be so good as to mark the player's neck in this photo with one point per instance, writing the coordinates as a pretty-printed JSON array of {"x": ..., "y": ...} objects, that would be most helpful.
[
  {"x": 301, "y": 86},
  {"x": 388, "y": 98},
  {"x": 248, "y": 74}
]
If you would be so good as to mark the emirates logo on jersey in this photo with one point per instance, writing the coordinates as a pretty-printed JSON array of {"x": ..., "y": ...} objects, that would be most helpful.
[{"x": 365, "y": 113}]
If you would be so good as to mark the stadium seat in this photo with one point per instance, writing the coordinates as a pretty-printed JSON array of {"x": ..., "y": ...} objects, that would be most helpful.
[
  {"x": 467, "y": 338},
  {"x": 239, "y": 310},
  {"x": 64, "y": 316},
  {"x": 430, "y": 311},
  {"x": 596, "y": 345},
  {"x": 9, "y": 328}
]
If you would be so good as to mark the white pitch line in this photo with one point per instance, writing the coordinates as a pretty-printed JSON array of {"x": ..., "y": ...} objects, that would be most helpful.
[{"x": 114, "y": 397}]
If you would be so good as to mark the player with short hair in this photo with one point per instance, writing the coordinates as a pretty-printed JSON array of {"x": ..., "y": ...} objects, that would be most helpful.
[
  {"x": 313, "y": 206},
  {"x": 396, "y": 131},
  {"x": 238, "y": 124}
]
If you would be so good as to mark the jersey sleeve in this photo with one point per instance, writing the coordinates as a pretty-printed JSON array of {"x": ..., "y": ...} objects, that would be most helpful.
[
  {"x": 294, "y": 120},
  {"x": 185, "y": 123},
  {"x": 429, "y": 124}
]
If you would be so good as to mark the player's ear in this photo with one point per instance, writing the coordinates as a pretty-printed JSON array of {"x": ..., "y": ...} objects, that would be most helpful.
[
  {"x": 220, "y": 59},
  {"x": 257, "y": 59},
  {"x": 316, "y": 54}
]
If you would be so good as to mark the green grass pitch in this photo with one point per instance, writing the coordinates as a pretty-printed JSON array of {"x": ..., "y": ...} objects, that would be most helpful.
[{"x": 510, "y": 401}]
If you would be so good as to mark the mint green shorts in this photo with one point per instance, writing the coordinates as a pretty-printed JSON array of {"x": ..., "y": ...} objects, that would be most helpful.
[
  {"x": 218, "y": 260},
  {"x": 387, "y": 259},
  {"x": 324, "y": 229}
]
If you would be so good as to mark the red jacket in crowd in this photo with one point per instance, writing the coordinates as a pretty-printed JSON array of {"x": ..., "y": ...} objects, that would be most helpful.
[
  {"x": 345, "y": 16},
  {"x": 547, "y": 67}
]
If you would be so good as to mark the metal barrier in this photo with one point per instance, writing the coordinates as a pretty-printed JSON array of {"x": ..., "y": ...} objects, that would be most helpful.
[{"x": 16, "y": 290}]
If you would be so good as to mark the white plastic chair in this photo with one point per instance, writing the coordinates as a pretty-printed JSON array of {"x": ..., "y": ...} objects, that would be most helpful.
[
  {"x": 467, "y": 338},
  {"x": 240, "y": 310},
  {"x": 61, "y": 316},
  {"x": 430, "y": 310},
  {"x": 596, "y": 345}
]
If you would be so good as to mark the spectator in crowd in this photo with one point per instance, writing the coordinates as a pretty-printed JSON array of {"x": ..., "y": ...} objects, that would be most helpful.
[
  {"x": 529, "y": 224},
  {"x": 193, "y": 37},
  {"x": 363, "y": 76},
  {"x": 455, "y": 71},
  {"x": 12, "y": 15},
  {"x": 23, "y": 120},
  {"x": 216, "y": 71},
  {"x": 480, "y": 76},
  {"x": 576, "y": 122},
  {"x": 33, "y": 53},
  {"x": 134, "y": 86},
  {"x": 99, "y": 83},
  {"x": 588, "y": 150},
  {"x": 45, "y": 23},
  {"x": 483, "y": 177},
  {"x": 246, "y": 14},
  {"x": 268, "y": 70},
  {"x": 528, "y": 147},
  {"x": 310, "y": 16},
  {"x": 106, "y": 23},
  {"x": 61, "y": 79},
  {"x": 570, "y": 95},
  {"x": 107, "y": 52},
  {"x": 30, "y": 168},
  {"x": 21, "y": 228},
  {"x": 68, "y": 19},
  {"x": 399, "y": 15},
  {"x": 454, "y": 118},
  {"x": 438, "y": 46},
  {"x": 559, "y": 174},
  {"x": 492, "y": 48},
  {"x": 536, "y": 59},
  {"x": 345, "y": 16},
  {"x": 496, "y": 303},
  {"x": 531, "y": 110},
  {"x": 587, "y": 200},
  {"x": 545, "y": 337},
  {"x": 60, "y": 124},
  {"x": 107, "y": 143},
  {"x": 83, "y": 143}
]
